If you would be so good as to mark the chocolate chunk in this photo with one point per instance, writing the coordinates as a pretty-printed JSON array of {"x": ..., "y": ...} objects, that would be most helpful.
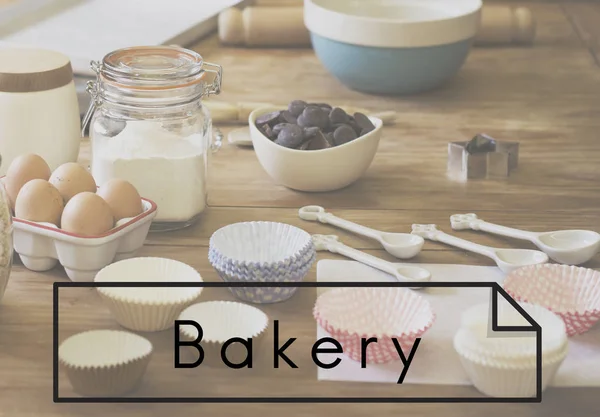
[
  {"x": 355, "y": 126},
  {"x": 267, "y": 118},
  {"x": 287, "y": 117},
  {"x": 296, "y": 107},
  {"x": 322, "y": 105},
  {"x": 329, "y": 137},
  {"x": 338, "y": 116},
  {"x": 363, "y": 121},
  {"x": 314, "y": 117},
  {"x": 365, "y": 131},
  {"x": 481, "y": 143},
  {"x": 290, "y": 136},
  {"x": 335, "y": 126},
  {"x": 344, "y": 134},
  {"x": 277, "y": 128},
  {"x": 304, "y": 145},
  {"x": 268, "y": 132},
  {"x": 318, "y": 142},
  {"x": 310, "y": 132}
]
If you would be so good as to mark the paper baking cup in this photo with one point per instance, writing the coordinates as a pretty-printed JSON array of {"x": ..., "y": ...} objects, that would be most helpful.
[
  {"x": 105, "y": 363},
  {"x": 221, "y": 321},
  {"x": 571, "y": 292},
  {"x": 515, "y": 346},
  {"x": 250, "y": 272},
  {"x": 505, "y": 378},
  {"x": 269, "y": 294},
  {"x": 148, "y": 309},
  {"x": 260, "y": 247},
  {"x": 351, "y": 314}
]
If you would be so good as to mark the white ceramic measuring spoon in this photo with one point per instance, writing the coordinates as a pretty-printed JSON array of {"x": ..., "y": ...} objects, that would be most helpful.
[
  {"x": 400, "y": 245},
  {"x": 404, "y": 273},
  {"x": 506, "y": 259},
  {"x": 572, "y": 247}
]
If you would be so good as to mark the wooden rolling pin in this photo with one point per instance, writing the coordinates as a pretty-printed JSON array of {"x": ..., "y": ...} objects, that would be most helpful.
[{"x": 284, "y": 27}]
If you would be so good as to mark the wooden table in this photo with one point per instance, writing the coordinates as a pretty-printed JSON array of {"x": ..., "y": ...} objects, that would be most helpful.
[{"x": 547, "y": 97}]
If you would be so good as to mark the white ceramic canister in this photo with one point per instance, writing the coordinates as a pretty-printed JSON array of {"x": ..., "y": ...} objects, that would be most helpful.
[{"x": 39, "y": 111}]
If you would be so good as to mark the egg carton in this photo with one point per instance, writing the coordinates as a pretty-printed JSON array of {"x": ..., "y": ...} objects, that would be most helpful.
[{"x": 42, "y": 245}]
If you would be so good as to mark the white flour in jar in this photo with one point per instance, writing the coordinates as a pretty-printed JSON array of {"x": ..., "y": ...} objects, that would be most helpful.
[{"x": 164, "y": 167}]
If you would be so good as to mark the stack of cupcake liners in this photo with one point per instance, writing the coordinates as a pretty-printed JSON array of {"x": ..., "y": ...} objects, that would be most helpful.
[
  {"x": 266, "y": 252},
  {"x": 503, "y": 364}
]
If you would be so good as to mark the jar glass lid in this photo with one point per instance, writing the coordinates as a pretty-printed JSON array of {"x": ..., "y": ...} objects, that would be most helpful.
[{"x": 152, "y": 67}]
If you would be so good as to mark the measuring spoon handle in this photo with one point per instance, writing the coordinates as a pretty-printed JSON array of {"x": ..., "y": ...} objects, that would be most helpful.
[
  {"x": 316, "y": 213},
  {"x": 333, "y": 245},
  {"x": 471, "y": 221},
  {"x": 430, "y": 231}
]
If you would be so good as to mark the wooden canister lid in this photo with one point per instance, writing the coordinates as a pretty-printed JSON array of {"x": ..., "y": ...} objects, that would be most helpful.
[{"x": 27, "y": 70}]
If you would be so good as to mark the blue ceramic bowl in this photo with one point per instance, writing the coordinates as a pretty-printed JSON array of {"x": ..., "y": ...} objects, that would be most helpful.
[{"x": 392, "y": 47}]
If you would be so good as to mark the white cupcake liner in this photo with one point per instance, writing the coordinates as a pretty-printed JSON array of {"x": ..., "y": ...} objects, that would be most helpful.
[
  {"x": 266, "y": 245},
  {"x": 221, "y": 321},
  {"x": 105, "y": 363},
  {"x": 507, "y": 378},
  {"x": 571, "y": 292},
  {"x": 148, "y": 309},
  {"x": 351, "y": 314},
  {"x": 484, "y": 342}
]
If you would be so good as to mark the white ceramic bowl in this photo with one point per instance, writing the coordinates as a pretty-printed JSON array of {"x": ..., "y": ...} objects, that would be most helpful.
[
  {"x": 148, "y": 309},
  {"x": 316, "y": 171},
  {"x": 103, "y": 363}
]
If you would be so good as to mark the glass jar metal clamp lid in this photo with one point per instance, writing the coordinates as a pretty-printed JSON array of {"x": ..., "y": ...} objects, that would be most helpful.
[
  {"x": 148, "y": 126},
  {"x": 153, "y": 72}
]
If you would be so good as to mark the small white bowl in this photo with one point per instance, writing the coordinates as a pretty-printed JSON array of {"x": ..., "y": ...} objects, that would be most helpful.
[
  {"x": 101, "y": 363},
  {"x": 148, "y": 309},
  {"x": 316, "y": 171},
  {"x": 221, "y": 321}
]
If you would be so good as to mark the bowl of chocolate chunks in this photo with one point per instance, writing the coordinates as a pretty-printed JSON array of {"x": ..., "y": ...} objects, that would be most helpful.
[{"x": 314, "y": 146}]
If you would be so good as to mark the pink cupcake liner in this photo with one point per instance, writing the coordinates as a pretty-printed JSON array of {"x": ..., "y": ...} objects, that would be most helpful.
[
  {"x": 571, "y": 292},
  {"x": 352, "y": 314}
]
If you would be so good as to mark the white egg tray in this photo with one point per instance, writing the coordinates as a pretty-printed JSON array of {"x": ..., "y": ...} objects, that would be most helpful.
[{"x": 42, "y": 245}]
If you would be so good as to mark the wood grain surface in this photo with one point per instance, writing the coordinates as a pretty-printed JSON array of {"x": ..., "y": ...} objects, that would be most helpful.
[{"x": 545, "y": 96}]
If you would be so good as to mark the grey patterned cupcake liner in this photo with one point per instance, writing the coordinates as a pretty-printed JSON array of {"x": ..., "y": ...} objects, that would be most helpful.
[{"x": 252, "y": 273}]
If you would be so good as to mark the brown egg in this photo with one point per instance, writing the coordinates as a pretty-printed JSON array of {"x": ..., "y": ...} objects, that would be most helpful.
[
  {"x": 22, "y": 170},
  {"x": 122, "y": 197},
  {"x": 71, "y": 179},
  {"x": 87, "y": 214},
  {"x": 39, "y": 201}
]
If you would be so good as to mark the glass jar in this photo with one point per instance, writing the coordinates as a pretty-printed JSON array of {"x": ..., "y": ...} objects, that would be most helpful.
[
  {"x": 6, "y": 239},
  {"x": 148, "y": 126}
]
